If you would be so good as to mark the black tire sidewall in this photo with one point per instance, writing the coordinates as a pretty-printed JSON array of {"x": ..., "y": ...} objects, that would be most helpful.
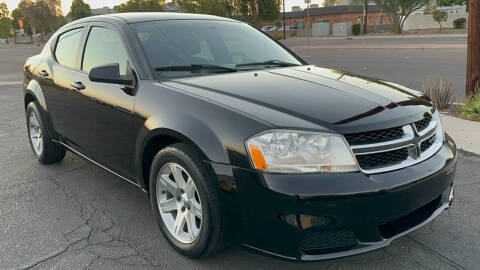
[{"x": 176, "y": 155}]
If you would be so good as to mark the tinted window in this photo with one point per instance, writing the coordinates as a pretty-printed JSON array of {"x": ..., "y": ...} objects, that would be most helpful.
[
  {"x": 104, "y": 46},
  {"x": 220, "y": 43},
  {"x": 68, "y": 45}
]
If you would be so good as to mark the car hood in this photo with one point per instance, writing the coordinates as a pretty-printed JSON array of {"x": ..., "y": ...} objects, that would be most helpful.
[{"x": 310, "y": 97}]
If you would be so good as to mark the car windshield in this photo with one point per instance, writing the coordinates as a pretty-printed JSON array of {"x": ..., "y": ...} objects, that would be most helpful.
[{"x": 179, "y": 48}]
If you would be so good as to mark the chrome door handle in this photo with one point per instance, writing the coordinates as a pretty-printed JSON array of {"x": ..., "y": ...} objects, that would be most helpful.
[
  {"x": 78, "y": 86},
  {"x": 43, "y": 73}
]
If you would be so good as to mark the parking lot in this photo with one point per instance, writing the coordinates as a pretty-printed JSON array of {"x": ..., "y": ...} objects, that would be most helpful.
[{"x": 74, "y": 215}]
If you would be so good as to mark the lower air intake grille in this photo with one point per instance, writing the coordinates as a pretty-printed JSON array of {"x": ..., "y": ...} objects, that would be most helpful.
[
  {"x": 393, "y": 227},
  {"x": 317, "y": 242},
  {"x": 371, "y": 161}
]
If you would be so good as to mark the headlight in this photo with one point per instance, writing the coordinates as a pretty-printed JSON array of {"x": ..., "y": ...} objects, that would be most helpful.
[{"x": 284, "y": 151}]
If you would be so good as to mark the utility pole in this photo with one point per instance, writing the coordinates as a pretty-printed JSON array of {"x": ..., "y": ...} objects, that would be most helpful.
[
  {"x": 473, "y": 51},
  {"x": 284, "y": 31},
  {"x": 308, "y": 21}
]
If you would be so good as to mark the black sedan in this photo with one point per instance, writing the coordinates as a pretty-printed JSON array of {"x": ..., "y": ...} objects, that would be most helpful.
[{"x": 236, "y": 139}]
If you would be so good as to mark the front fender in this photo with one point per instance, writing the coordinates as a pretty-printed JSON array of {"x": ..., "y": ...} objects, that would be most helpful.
[{"x": 185, "y": 128}]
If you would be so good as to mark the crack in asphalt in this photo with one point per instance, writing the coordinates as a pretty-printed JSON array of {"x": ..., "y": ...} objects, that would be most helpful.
[{"x": 102, "y": 232}]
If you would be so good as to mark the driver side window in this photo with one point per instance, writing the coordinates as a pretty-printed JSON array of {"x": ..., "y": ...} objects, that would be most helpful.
[{"x": 104, "y": 46}]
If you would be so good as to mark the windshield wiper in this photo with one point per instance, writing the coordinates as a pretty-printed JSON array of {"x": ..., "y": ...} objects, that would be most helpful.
[
  {"x": 269, "y": 63},
  {"x": 196, "y": 67}
]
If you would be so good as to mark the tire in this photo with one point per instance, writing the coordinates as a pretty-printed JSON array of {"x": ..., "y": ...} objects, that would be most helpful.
[
  {"x": 211, "y": 234},
  {"x": 45, "y": 151}
]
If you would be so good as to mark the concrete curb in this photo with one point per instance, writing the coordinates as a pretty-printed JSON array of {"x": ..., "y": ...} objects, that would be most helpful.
[{"x": 8, "y": 83}]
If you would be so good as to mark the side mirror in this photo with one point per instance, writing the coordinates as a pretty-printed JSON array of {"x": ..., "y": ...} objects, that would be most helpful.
[{"x": 109, "y": 73}]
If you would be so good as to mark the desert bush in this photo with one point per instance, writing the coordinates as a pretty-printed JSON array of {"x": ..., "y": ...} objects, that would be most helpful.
[
  {"x": 459, "y": 23},
  {"x": 278, "y": 35},
  {"x": 356, "y": 29},
  {"x": 440, "y": 16},
  {"x": 471, "y": 109},
  {"x": 440, "y": 91}
]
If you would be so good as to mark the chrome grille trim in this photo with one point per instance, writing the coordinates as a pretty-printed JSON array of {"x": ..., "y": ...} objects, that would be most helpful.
[
  {"x": 368, "y": 148},
  {"x": 411, "y": 140}
]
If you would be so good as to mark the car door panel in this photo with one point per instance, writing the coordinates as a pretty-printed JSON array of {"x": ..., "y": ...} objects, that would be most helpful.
[
  {"x": 107, "y": 110},
  {"x": 56, "y": 85}
]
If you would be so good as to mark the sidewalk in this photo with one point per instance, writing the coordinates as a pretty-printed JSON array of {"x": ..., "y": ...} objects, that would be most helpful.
[
  {"x": 465, "y": 133},
  {"x": 382, "y": 47},
  {"x": 384, "y": 36}
]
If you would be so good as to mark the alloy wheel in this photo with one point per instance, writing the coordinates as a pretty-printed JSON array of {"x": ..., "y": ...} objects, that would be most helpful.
[
  {"x": 179, "y": 203},
  {"x": 35, "y": 132}
]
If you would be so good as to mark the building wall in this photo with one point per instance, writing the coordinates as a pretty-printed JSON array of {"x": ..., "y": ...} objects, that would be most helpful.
[
  {"x": 419, "y": 21},
  {"x": 354, "y": 18}
]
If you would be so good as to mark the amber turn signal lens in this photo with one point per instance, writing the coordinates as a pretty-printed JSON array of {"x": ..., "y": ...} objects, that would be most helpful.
[{"x": 257, "y": 157}]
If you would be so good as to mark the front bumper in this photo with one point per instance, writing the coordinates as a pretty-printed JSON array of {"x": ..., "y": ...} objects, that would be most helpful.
[{"x": 315, "y": 217}]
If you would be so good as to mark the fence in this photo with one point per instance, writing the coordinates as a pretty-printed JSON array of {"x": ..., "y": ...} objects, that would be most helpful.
[{"x": 420, "y": 21}]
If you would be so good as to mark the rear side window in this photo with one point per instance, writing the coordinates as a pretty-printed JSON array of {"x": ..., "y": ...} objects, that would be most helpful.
[
  {"x": 104, "y": 46},
  {"x": 68, "y": 45}
]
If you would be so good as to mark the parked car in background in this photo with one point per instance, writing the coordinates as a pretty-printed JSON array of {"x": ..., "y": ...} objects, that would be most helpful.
[
  {"x": 268, "y": 28},
  {"x": 236, "y": 139}
]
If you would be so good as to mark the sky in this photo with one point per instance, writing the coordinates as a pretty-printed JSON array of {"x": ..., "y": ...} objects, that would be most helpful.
[{"x": 12, "y": 4}]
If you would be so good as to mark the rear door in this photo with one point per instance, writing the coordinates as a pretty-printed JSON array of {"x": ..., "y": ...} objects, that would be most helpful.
[
  {"x": 107, "y": 109},
  {"x": 57, "y": 76}
]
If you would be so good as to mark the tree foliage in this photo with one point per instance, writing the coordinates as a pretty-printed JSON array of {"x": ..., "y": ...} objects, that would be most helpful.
[
  {"x": 429, "y": 9},
  {"x": 399, "y": 10},
  {"x": 79, "y": 9},
  {"x": 330, "y": 3},
  {"x": 4, "y": 10},
  {"x": 5, "y": 21},
  {"x": 223, "y": 8},
  {"x": 256, "y": 11},
  {"x": 440, "y": 16},
  {"x": 141, "y": 6},
  {"x": 443, "y": 3},
  {"x": 41, "y": 15}
]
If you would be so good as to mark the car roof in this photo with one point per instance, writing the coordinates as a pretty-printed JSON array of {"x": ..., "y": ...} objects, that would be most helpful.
[{"x": 135, "y": 17}]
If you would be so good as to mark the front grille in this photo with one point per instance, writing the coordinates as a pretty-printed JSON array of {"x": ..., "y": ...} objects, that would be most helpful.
[
  {"x": 391, "y": 228},
  {"x": 317, "y": 242},
  {"x": 383, "y": 159},
  {"x": 375, "y": 136},
  {"x": 427, "y": 143},
  {"x": 423, "y": 124}
]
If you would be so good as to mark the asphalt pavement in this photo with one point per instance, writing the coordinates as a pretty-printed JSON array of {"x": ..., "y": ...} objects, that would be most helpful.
[{"x": 75, "y": 215}]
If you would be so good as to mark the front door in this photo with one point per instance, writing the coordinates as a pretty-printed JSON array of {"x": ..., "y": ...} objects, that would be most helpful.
[{"x": 107, "y": 108}]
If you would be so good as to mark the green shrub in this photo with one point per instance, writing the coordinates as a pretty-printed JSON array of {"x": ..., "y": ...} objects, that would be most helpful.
[
  {"x": 459, "y": 23},
  {"x": 356, "y": 29},
  {"x": 278, "y": 35},
  {"x": 471, "y": 109},
  {"x": 440, "y": 91}
]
